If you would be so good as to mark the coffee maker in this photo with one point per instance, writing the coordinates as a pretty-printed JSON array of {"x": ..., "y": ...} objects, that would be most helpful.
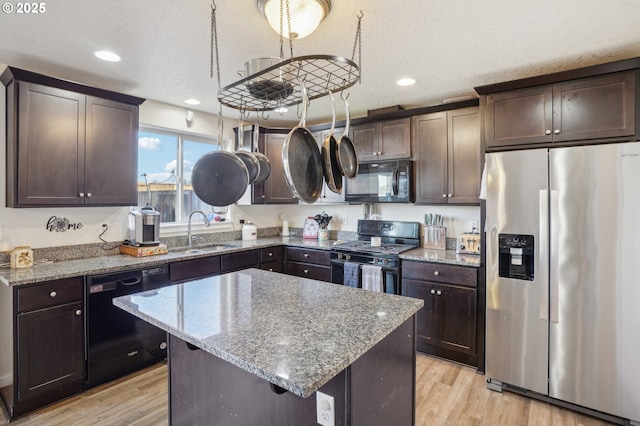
[{"x": 144, "y": 227}]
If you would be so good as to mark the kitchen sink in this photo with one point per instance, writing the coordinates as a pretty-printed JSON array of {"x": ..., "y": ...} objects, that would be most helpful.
[{"x": 204, "y": 249}]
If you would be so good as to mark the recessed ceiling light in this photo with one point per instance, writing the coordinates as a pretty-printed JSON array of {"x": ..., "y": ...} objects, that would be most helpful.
[
  {"x": 406, "y": 82},
  {"x": 105, "y": 55},
  {"x": 192, "y": 101}
]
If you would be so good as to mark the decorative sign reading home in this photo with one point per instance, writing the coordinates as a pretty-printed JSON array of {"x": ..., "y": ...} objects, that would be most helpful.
[{"x": 61, "y": 224}]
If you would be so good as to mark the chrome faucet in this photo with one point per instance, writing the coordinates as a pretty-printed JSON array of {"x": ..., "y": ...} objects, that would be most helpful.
[{"x": 206, "y": 221}]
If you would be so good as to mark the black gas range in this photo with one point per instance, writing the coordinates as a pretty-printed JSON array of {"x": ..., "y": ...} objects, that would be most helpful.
[{"x": 395, "y": 237}]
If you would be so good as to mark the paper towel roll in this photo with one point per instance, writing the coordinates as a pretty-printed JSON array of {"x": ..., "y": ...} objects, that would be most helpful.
[{"x": 285, "y": 228}]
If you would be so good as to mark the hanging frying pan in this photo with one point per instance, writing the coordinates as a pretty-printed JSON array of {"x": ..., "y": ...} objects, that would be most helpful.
[
  {"x": 219, "y": 178},
  {"x": 346, "y": 153},
  {"x": 329, "y": 153},
  {"x": 301, "y": 159},
  {"x": 265, "y": 165},
  {"x": 247, "y": 157}
]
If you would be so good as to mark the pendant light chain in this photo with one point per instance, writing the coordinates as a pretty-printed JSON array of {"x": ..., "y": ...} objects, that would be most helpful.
[
  {"x": 289, "y": 29},
  {"x": 281, "y": 29}
]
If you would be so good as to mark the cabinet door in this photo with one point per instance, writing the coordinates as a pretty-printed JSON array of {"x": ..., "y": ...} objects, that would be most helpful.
[
  {"x": 50, "y": 353},
  {"x": 111, "y": 160},
  {"x": 519, "y": 117},
  {"x": 365, "y": 140},
  {"x": 595, "y": 108},
  {"x": 238, "y": 261},
  {"x": 425, "y": 326},
  {"x": 276, "y": 189},
  {"x": 464, "y": 156},
  {"x": 394, "y": 139},
  {"x": 50, "y": 147},
  {"x": 456, "y": 318},
  {"x": 430, "y": 144}
]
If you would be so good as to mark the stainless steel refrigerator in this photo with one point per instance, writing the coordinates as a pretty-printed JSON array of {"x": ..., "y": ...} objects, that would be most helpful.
[{"x": 563, "y": 275}]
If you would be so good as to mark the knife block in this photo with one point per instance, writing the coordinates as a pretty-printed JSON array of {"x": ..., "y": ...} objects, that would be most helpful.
[{"x": 434, "y": 237}]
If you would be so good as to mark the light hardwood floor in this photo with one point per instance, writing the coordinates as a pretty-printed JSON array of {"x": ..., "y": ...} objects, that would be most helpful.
[{"x": 446, "y": 394}]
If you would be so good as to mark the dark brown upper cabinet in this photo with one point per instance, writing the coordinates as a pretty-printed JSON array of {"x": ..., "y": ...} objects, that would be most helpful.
[
  {"x": 275, "y": 189},
  {"x": 382, "y": 140},
  {"x": 448, "y": 156},
  {"x": 68, "y": 144},
  {"x": 594, "y": 108}
]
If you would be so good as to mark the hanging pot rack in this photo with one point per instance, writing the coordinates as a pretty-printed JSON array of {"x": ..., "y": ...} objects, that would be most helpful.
[
  {"x": 279, "y": 85},
  {"x": 322, "y": 74}
]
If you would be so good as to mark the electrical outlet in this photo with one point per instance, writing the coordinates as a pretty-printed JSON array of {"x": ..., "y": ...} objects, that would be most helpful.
[
  {"x": 325, "y": 409},
  {"x": 281, "y": 216},
  {"x": 345, "y": 219}
]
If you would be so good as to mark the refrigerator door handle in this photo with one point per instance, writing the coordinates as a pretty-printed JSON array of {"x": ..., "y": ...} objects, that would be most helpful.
[
  {"x": 543, "y": 253},
  {"x": 554, "y": 230}
]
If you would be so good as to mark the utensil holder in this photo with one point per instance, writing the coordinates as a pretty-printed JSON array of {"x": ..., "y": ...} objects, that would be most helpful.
[{"x": 435, "y": 237}]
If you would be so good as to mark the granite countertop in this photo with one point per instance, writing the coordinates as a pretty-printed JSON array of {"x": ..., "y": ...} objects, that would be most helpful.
[
  {"x": 276, "y": 326},
  {"x": 442, "y": 256},
  {"x": 112, "y": 263}
]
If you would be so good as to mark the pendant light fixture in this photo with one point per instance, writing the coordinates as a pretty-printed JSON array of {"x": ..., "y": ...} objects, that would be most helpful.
[{"x": 306, "y": 15}]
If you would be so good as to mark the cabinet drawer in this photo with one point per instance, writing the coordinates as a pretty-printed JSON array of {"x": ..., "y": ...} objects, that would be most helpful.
[
  {"x": 271, "y": 254},
  {"x": 306, "y": 270},
  {"x": 272, "y": 266},
  {"x": 194, "y": 268},
  {"x": 242, "y": 260},
  {"x": 438, "y": 272},
  {"x": 51, "y": 293},
  {"x": 318, "y": 257}
]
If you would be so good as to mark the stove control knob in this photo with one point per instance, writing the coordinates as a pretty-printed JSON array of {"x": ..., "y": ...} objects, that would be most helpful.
[
  {"x": 339, "y": 255},
  {"x": 386, "y": 261},
  {"x": 347, "y": 256},
  {"x": 375, "y": 260}
]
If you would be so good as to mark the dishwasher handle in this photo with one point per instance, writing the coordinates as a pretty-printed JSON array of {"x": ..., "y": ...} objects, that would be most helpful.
[{"x": 132, "y": 281}]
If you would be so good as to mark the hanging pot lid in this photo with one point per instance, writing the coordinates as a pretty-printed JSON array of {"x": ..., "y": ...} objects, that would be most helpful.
[
  {"x": 301, "y": 159},
  {"x": 219, "y": 178}
]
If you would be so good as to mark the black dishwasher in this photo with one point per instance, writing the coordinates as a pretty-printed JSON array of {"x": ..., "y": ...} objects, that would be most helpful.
[{"x": 117, "y": 342}]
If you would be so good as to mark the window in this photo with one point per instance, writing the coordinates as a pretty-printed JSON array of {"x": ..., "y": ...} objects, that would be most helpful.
[{"x": 165, "y": 162}]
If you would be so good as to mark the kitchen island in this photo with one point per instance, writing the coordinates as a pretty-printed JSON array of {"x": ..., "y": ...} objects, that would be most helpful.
[{"x": 254, "y": 347}]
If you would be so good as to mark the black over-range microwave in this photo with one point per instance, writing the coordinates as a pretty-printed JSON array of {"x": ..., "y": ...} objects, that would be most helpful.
[{"x": 381, "y": 182}]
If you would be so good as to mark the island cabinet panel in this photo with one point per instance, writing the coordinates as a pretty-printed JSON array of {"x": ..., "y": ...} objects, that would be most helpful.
[
  {"x": 194, "y": 268},
  {"x": 378, "y": 389},
  {"x": 49, "y": 349},
  {"x": 238, "y": 261},
  {"x": 448, "y": 152},
  {"x": 272, "y": 259},
  {"x": 382, "y": 140},
  {"x": 308, "y": 263},
  {"x": 66, "y": 147},
  {"x": 447, "y": 324},
  {"x": 585, "y": 110}
]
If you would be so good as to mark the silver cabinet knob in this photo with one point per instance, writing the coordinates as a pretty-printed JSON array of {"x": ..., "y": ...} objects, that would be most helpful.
[
  {"x": 556, "y": 132},
  {"x": 78, "y": 312},
  {"x": 306, "y": 271},
  {"x": 436, "y": 273},
  {"x": 433, "y": 291},
  {"x": 81, "y": 195},
  {"x": 449, "y": 195},
  {"x": 270, "y": 269},
  {"x": 264, "y": 196},
  {"x": 53, "y": 294},
  {"x": 439, "y": 293},
  {"x": 444, "y": 195},
  {"x": 306, "y": 255},
  {"x": 88, "y": 194},
  {"x": 270, "y": 254},
  {"x": 547, "y": 132}
]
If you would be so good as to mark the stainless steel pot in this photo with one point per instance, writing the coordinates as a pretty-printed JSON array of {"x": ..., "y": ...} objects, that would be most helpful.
[
  {"x": 269, "y": 85},
  {"x": 301, "y": 159}
]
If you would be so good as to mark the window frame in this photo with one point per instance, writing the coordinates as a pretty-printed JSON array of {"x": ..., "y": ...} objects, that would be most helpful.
[{"x": 181, "y": 224}]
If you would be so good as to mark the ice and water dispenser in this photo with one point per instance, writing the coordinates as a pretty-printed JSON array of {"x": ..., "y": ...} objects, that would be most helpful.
[{"x": 515, "y": 256}]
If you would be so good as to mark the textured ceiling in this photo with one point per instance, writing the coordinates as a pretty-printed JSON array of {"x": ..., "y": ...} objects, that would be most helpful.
[{"x": 448, "y": 46}]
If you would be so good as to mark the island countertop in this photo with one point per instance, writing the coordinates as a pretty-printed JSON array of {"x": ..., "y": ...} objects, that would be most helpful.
[{"x": 294, "y": 332}]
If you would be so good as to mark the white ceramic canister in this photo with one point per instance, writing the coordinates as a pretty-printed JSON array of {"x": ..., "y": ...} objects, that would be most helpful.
[
  {"x": 21, "y": 257},
  {"x": 249, "y": 231}
]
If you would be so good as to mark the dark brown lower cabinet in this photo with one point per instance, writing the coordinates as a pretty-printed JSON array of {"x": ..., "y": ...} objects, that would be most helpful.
[
  {"x": 308, "y": 263},
  {"x": 48, "y": 354},
  {"x": 271, "y": 259},
  {"x": 447, "y": 324}
]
